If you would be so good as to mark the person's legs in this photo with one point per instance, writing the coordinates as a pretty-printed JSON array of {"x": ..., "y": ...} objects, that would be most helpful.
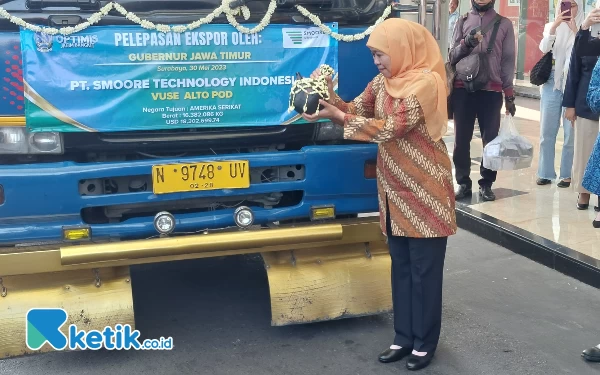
[
  {"x": 489, "y": 105},
  {"x": 584, "y": 137},
  {"x": 427, "y": 257},
  {"x": 401, "y": 286},
  {"x": 550, "y": 114},
  {"x": 566, "y": 159},
  {"x": 463, "y": 104},
  {"x": 401, "y": 301}
]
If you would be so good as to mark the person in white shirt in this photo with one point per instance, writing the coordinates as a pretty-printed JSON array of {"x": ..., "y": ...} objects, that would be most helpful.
[
  {"x": 558, "y": 37},
  {"x": 454, "y": 13}
]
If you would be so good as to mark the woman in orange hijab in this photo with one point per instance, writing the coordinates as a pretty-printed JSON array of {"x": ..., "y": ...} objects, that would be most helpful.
[{"x": 404, "y": 110}]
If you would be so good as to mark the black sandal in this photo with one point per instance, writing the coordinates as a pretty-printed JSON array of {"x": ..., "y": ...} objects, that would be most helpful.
[
  {"x": 543, "y": 181},
  {"x": 564, "y": 184},
  {"x": 581, "y": 206}
]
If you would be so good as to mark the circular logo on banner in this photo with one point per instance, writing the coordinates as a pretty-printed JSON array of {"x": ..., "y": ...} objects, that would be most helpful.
[{"x": 43, "y": 42}]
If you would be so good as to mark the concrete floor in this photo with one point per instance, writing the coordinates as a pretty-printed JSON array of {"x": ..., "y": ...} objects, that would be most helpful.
[{"x": 503, "y": 314}]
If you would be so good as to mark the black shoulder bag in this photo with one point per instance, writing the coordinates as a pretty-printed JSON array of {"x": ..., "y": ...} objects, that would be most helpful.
[
  {"x": 540, "y": 73},
  {"x": 474, "y": 70}
]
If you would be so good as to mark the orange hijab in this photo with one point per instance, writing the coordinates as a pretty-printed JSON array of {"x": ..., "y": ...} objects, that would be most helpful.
[{"x": 417, "y": 69}]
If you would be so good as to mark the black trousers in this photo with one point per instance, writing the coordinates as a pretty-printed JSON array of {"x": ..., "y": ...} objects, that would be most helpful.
[
  {"x": 417, "y": 277},
  {"x": 486, "y": 106}
]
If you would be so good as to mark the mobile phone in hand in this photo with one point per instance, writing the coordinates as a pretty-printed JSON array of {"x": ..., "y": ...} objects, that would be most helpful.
[
  {"x": 595, "y": 28},
  {"x": 566, "y": 6}
]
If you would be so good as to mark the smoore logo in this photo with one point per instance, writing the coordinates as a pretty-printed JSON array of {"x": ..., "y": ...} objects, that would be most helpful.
[
  {"x": 43, "y": 42},
  {"x": 304, "y": 38}
]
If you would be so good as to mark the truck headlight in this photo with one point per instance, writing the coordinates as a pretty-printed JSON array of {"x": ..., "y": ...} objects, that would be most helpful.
[
  {"x": 164, "y": 223},
  {"x": 13, "y": 141},
  {"x": 17, "y": 140},
  {"x": 45, "y": 142},
  {"x": 243, "y": 217}
]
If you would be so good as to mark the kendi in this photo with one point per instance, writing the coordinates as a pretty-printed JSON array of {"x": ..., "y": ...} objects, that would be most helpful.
[{"x": 306, "y": 92}]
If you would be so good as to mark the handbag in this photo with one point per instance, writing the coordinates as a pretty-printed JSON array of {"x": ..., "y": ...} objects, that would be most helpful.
[
  {"x": 540, "y": 73},
  {"x": 474, "y": 69}
]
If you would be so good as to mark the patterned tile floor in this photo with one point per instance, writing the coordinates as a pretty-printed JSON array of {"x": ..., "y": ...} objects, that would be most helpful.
[{"x": 546, "y": 211}]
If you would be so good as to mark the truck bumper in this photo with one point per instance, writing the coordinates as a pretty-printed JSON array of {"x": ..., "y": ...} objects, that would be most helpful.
[
  {"x": 43, "y": 259},
  {"x": 316, "y": 272},
  {"x": 41, "y": 199}
]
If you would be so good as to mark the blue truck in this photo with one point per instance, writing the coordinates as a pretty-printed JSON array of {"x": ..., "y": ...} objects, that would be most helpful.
[{"x": 77, "y": 209}]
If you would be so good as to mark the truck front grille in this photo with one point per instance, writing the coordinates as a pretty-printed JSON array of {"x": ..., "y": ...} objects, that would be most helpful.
[
  {"x": 143, "y": 183},
  {"x": 124, "y": 212}
]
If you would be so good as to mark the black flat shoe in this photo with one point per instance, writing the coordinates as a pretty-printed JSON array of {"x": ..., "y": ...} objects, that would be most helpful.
[
  {"x": 596, "y": 224},
  {"x": 582, "y": 206},
  {"x": 393, "y": 355},
  {"x": 564, "y": 184},
  {"x": 415, "y": 363},
  {"x": 543, "y": 181},
  {"x": 592, "y": 354},
  {"x": 463, "y": 192},
  {"x": 487, "y": 194}
]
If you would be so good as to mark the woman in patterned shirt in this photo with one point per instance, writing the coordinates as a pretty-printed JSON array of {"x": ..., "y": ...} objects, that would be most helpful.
[{"x": 404, "y": 111}]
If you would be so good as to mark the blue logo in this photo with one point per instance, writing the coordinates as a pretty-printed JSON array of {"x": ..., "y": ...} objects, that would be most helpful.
[
  {"x": 43, "y": 42},
  {"x": 44, "y": 326}
]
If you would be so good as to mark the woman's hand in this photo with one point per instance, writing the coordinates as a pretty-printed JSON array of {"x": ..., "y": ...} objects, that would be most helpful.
[
  {"x": 591, "y": 19},
  {"x": 560, "y": 18},
  {"x": 572, "y": 25},
  {"x": 329, "y": 112},
  {"x": 570, "y": 115},
  {"x": 316, "y": 74}
]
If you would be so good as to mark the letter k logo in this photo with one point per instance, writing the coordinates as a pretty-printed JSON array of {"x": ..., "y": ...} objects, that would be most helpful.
[{"x": 43, "y": 325}]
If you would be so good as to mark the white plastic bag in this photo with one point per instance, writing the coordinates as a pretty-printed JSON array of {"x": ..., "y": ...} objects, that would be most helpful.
[{"x": 509, "y": 151}]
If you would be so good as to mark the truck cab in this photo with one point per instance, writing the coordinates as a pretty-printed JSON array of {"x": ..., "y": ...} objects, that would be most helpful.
[{"x": 80, "y": 204}]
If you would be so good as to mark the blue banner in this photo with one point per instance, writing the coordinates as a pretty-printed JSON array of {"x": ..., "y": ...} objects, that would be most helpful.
[{"x": 120, "y": 78}]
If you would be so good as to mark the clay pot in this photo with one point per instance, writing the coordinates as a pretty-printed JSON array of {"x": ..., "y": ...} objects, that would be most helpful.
[{"x": 300, "y": 100}]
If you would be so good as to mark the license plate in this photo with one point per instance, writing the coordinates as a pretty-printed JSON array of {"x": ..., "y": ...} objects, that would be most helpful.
[{"x": 179, "y": 178}]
